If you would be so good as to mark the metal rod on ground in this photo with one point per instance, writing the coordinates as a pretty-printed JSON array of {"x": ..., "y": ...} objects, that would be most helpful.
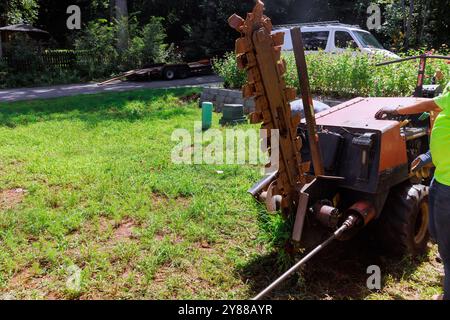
[{"x": 274, "y": 284}]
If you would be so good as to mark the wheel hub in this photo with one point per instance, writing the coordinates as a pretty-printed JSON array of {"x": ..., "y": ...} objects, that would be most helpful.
[{"x": 422, "y": 220}]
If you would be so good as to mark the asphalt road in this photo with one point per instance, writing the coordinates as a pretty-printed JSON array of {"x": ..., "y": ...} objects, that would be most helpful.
[{"x": 11, "y": 95}]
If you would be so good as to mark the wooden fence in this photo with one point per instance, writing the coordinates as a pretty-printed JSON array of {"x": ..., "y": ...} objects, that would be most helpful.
[{"x": 49, "y": 60}]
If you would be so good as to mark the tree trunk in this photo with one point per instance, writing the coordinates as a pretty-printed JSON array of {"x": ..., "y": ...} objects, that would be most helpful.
[
  {"x": 409, "y": 24},
  {"x": 426, "y": 8},
  {"x": 121, "y": 9},
  {"x": 112, "y": 4},
  {"x": 404, "y": 15}
]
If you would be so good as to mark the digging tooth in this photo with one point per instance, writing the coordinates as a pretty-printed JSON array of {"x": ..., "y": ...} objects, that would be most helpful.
[
  {"x": 267, "y": 23},
  {"x": 281, "y": 67},
  {"x": 236, "y": 22},
  {"x": 242, "y": 61},
  {"x": 259, "y": 54},
  {"x": 278, "y": 39},
  {"x": 248, "y": 90},
  {"x": 255, "y": 117},
  {"x": 295, "y": 121},
  {"x": 291, "y": 94},
  {"x": 241, "y": 46},
  {"x": 277, "y": 53}
]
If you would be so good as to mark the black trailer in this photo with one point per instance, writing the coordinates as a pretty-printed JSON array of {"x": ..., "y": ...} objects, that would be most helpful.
[{"x": 165, "y": 71}]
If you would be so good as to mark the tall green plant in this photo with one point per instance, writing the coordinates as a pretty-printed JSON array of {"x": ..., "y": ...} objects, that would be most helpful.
[
  {"x": 345, "y": 74},
  {"x": 228, "y": 70},
  {"x": 96, "y": 45},
  {"x": 149, "y": 46},
  {"x": 99, "y": 55},
  {"x": 18, "y": 11}
]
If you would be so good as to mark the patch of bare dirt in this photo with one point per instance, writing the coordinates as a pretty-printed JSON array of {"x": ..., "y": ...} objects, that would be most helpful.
[
  {"x": 11, "y": 198},
  {"x": 160, "y": 200},
  {"x": 124, "y": 230},
  {"x": 93, "y": 296},
  {"x": 107, "y": 232},
  {"x": 190, "y": 281},
  {"x": 27, "y": 280},
  {"x": 104, "y": 224},
  {"x": 183, "y": 201},
  {"x": 21, "y": 278},
  {"x": 166, "y": 233},
  {"x": 162, "y": 274},
  {"x": 204, "y": 245},
  {"x": 190, "y": 98}
]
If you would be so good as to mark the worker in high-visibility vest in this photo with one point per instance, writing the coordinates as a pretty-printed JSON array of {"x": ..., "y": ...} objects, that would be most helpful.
[{"x": 440, "y": 187}]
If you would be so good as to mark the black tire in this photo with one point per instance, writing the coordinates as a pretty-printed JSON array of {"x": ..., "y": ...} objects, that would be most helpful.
[
  {"x": 403, "y": 226},
  {"x": 169, "y": 74},
  {"x": 183, "y": 73}
]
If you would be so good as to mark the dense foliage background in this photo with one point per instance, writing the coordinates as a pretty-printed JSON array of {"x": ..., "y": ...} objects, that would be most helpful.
[
  {"x": 200, "y": 29},
  {"x": 346, "y": 74},
  {"x": 119, "y": 35}
]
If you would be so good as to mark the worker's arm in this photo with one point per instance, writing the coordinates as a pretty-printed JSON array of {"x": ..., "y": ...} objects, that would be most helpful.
[{"x": 419, "y": 107}]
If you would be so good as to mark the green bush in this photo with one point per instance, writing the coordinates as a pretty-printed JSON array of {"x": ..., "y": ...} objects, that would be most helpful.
[
  {"x": 23, "y": 56},
  {"x": 26, "y": 65},
  {"x": 25, "y": 53},
  {"x": 228, "y": 70},
  {"x": 345, "y": 74},
  {"x": 148, "y": 45},
  {"x": 102, "y": 57},
  {"x": 3, "y": 73},
  {"x": 98, "y": 55}
]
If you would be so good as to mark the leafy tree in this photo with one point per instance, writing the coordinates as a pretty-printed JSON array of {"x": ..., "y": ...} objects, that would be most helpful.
[
  {"x": 97, "y": 49},
  {"x": 18, "y": 11},
  {"x": 148, "y": 45},
  {"x": 416, "y": 23},
  {"x": 121, "y": 14},
  {"x": 199, "y": 27},
  {"x": 99, "y": 55}
]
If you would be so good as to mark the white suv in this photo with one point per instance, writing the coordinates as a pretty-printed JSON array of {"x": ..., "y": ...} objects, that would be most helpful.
[{"x": 333, "y": 37}]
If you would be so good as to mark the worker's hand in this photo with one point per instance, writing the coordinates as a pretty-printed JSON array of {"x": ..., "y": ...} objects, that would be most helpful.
[
  {"x": 421, "y": 161},
  {"x": 386, "y": 111}
]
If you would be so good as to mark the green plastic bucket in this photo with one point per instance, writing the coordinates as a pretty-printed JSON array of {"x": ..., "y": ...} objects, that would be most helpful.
[{"x": 207, "y": 110}]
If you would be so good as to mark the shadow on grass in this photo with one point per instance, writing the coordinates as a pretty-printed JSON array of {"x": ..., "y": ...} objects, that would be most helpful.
[
  {"x": 339, "y": 272},
  {"x": 131, "y": 106}
]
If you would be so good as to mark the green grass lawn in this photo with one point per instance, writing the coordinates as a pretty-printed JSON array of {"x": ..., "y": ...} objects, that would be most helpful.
[{"x": 88, "y": 181}]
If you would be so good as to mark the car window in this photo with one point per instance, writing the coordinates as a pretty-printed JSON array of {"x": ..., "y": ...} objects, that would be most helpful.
[
  {"x": 315, "y": 40},
  {"x": 344, "y": 40},
  {"x": 368, "y": 40}
]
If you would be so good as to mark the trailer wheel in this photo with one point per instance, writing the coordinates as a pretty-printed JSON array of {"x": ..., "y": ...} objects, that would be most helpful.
[
  {"x": 169, "y": 73},
  {"x": 183, "y": 73},
  {"x": 403, "y": 225}
]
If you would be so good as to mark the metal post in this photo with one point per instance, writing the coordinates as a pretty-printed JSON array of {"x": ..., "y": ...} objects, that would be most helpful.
[
  {"x": 418, "y": 93},
  {"x": 313, "y": 137}
]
